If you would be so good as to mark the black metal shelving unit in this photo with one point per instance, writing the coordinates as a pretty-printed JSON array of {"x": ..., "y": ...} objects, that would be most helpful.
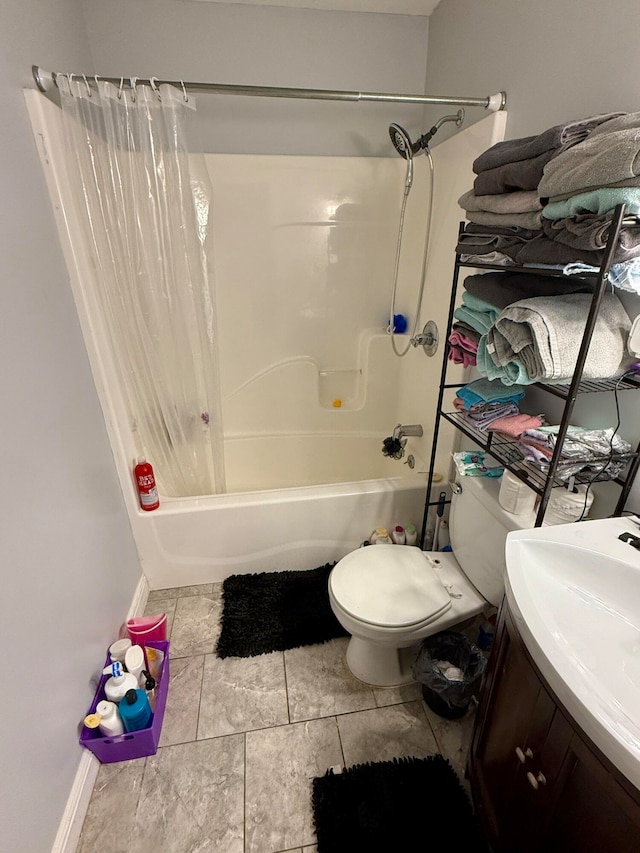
[{"x": 504, "y": 450}]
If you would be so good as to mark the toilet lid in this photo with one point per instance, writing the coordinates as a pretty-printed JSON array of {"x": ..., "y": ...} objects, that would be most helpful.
[{"x": 388, "y": 585}]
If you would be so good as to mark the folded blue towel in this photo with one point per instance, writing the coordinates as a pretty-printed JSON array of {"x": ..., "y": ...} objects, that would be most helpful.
[
  {"x": 480, "y": 315},
  {"x": 487, "y": 391}
]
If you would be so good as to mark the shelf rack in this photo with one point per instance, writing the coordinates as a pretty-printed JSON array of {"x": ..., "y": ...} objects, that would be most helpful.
[{"x": 505, "y": 451}]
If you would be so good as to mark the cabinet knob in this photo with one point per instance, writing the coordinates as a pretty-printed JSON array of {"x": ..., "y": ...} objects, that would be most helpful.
[
  {"x": 536, "y": 781},
  {"x": 522, "y": 756}
]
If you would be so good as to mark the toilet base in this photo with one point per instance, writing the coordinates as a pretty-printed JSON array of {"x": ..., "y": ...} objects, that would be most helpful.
[{"x": 380, "y": 666}]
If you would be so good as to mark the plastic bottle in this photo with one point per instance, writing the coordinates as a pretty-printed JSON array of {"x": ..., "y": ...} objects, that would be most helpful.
[
  {"x": 443, "y": 535},
  {"x": 380, "y": 536},
  {"x": 134, "y": 661},
  {"x": 398, "y": 535},
  {"x": 110, "y": 722},
  {"x": 135, "y": 710},
  {"x": 148, "y": 683},
  {"x": 410, "y": 534},
  {"x": 146, "y": 485},
  {"x": 116, "y": 686}
]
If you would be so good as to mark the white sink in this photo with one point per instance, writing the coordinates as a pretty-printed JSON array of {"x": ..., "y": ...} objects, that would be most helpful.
[{"x": 574, "y": 592}]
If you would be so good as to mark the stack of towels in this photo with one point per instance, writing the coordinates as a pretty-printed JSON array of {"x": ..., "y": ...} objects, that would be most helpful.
[
  {"x": 489, "y": 405},
  {"x": 585, "y": 451},
  {"x": 548, "y": 199},
  {"x": 530, "y": 328}
]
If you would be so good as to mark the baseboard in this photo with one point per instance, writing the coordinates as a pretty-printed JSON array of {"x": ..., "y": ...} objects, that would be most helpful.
[
  {"x": 139, "y": 600},
  {"x": 70, "y": 827},
  {"x": 73, "y": 816}
]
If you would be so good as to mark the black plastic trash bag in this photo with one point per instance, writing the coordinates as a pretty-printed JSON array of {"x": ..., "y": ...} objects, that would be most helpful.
[{"x": 448, "y": 698}]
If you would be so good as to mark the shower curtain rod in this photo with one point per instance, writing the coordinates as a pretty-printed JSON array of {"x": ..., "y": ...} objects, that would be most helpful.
[{"x": 46, "y": 80}]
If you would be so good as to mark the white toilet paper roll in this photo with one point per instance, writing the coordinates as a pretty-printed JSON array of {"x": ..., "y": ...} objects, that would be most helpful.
[
  {"x": 565, "y": 506},
  {"x": 515, "y": 496}
]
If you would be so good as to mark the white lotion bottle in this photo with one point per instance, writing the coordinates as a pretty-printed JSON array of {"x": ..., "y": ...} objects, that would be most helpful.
[
  {"x": 134, "y": 662},
  {"x": 116, "y": 686},
  {"x": 110, "y": 722},
  {"x": 410, "y": 534}
]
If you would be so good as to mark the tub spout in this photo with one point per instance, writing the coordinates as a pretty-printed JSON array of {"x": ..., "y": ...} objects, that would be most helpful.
[{"x": 407, "y": 429}]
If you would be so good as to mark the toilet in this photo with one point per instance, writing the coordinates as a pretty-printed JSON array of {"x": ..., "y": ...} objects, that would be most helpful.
[{"x": 390, "y": 597}]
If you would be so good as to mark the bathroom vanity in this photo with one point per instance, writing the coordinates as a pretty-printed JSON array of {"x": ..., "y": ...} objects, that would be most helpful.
[{"x": 555, "y": 757}]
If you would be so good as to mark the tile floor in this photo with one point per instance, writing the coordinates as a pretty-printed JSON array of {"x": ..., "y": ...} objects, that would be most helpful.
[{"x": 243, "y": 737}]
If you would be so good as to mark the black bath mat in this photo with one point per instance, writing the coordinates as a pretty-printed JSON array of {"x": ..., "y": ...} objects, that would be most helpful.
[
  {"x": 408, "y": 804},
  {"x": 273, "y": 611}
]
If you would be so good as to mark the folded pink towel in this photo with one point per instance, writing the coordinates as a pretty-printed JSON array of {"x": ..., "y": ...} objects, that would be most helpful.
[
  {"x": 460, "y": 356},
  {"x": 458, "y": 339},
  {"x": 514, "y": 425}
]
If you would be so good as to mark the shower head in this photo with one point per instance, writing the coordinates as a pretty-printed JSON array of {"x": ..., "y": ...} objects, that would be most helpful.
[{"x": 402, "y": 141}]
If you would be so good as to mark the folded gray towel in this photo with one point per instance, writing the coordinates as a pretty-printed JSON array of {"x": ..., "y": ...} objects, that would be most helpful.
[
  {"x": 609, "y": 156},
  {"x": 516, "y": 202},
  {"x": 558, "y": 137},
  {"x": 544, "y": 334},
  {"x": 501, "y": 289},
  {"x": 531, "y": 220},
  {"x": 542, "y": 250},
  {"x": 590, "y": 232},
  {"x": 510, "y": 177}
]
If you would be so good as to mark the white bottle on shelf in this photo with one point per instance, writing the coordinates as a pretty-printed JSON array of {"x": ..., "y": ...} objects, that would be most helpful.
[{"x": 380, "y": 536}]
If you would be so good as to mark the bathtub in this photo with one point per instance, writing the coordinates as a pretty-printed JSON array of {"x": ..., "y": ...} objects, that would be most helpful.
[{"x": 202, "y": 540}]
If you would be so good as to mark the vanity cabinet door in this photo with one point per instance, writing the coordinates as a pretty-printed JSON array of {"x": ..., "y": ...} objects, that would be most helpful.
[
  {"x": 513, "y": 722},
  {"x": 591, "y": 811},
  {"x": 537, "y": 784}
]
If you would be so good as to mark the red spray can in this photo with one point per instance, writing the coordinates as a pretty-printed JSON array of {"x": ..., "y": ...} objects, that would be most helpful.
[{"x": 146, "y": 485}]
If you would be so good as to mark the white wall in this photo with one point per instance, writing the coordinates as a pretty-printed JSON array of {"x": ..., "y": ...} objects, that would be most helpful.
[
  {"x": 69, "y": 566},
  {"x": 270, "y": 46},
  {"x": 558, "y": 60}
]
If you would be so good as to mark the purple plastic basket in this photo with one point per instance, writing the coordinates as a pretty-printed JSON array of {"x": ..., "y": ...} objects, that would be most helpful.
[{"x": 131, "y": 744}]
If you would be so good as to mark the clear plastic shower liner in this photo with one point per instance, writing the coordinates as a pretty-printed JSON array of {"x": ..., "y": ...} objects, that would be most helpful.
[{"x": 145, "y": 224}]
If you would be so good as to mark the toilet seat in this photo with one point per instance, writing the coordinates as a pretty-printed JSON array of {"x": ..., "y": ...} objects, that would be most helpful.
[{"x": 389, "y": 586}]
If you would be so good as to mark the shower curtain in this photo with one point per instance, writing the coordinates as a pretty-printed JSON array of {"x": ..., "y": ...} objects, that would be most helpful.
[{"x": 145, "y": 220}]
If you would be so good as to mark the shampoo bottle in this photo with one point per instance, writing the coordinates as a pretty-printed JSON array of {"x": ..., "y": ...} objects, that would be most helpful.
[{"x": 135, "y": 710}]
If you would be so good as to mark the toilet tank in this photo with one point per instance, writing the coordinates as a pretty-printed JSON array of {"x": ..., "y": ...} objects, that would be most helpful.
[{"x": 478, "y": 528}]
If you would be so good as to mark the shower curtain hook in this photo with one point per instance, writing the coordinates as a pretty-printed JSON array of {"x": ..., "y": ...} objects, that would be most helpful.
[
  {"x": 184, "y": 92},
  {"x": 153, "y": 82},
  {"x": 86, "y": 83},
  {"x": 132, "y": 83},
  {"x": 120, "y": 88}
]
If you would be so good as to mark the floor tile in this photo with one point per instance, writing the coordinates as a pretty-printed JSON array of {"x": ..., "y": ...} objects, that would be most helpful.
[
  {"x": 240, "y": 694},
  {"x": 180, "y": 722},
  {"x": 162, "y": 605},
  {"x": 319, "y": 683},
  {"x": 453, "y": 737},
  {"x": 115, "y": 793},
  {"x": 192, "y": 799},
  {"x": 181, "y": 591},
  {"x": 280, "y": 764},
  {"x": 396, "y": 695},
  {"x": 386, "y": 733},
  {"x": 195, "y": 625}
]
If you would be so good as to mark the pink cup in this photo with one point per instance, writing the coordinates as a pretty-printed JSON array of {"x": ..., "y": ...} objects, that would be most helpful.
[{"x": 143, "y": 629}]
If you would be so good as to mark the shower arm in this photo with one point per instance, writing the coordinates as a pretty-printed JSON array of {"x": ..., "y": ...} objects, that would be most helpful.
[{"x": 46, "y": 81}]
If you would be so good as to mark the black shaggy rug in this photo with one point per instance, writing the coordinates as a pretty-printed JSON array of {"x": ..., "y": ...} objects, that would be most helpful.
[
  {"x": 404, "y": 805},
  {"x": 273, "y": 611}
]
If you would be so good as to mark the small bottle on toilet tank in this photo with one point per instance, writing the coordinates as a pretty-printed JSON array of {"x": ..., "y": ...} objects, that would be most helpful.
[{"x": 398, "y": 535}]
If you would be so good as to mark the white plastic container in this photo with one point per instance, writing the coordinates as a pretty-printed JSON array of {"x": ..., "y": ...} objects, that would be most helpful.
[
  {"x": 118, "y": 649},
  {"x": 110, "y": 722}
]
